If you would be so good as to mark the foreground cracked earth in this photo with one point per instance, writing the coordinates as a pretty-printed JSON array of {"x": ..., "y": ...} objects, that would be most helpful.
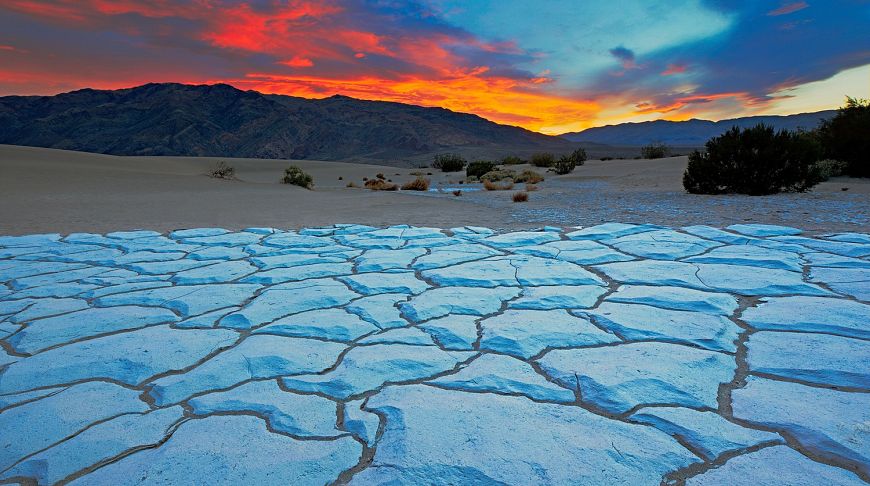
[{"x": 616, "y": 354}]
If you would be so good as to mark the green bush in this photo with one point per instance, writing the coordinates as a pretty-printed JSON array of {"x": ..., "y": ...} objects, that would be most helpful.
[
  {"x": 846, "y": 136},
  {"x": 754, "y": 161},
  {"x": 655, "y": 151},
  {"x": 512, "y": 160},
  {"x": 544, "y": 159},
  {"x": 448, "y": 163},
  {"x": 294, "y": 175},
  {"x": 477, "y": 169},
  {"x": 831, "y": 168}
]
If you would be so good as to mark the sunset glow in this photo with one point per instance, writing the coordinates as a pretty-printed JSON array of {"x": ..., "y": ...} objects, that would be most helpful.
[{"x": 554, "y": 68}]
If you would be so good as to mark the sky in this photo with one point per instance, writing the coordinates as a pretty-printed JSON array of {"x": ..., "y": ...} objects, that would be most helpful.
[{"x": 546, "y": 65}]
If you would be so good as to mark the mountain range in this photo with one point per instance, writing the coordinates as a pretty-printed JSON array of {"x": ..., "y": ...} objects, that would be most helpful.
[
  {"x": 689, "y": 133},
  {"x": 220, "y": 120}
]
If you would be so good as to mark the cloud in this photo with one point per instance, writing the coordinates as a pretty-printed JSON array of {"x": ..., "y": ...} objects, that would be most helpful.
[
  {"x": 624, "y": 55},
  {"x": 788, "y": 8}
]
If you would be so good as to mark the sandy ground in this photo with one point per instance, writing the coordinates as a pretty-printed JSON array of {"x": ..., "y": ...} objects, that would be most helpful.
[{"x": 45, "y": 190}]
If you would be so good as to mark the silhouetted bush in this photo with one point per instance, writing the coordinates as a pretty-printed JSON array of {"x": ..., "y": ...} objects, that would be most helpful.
[
  {"x": 846, "y": 136},
  {"x": 380, "y": 175},
  {"x": 477, "y": 169},
  {"x": 655, "y": 151},
  {"x": 512, "y": 160},
  {"x": 294, "y": 175},
  {"x": 418, "y": 184},
  {"x": 448, "y": 163},
  {"x": 520, "y": 197},
  {"x": 528, "y": 176},
  {"x": 545, "y": 159},
  {"x": 754, "y": 161},
  {"x": 606, "y": 158},
  {"x": 223, "y": 171},
  {"x": 567, "y": 163}
]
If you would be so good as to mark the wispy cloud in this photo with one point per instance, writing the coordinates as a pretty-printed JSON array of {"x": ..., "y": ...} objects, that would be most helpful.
[{"x": 788, "y": 8}]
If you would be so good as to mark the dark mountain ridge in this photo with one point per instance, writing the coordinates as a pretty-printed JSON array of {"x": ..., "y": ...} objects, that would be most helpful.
[
  {"x": 220, "y": 120},
  {"x": 689, "y": 133}
]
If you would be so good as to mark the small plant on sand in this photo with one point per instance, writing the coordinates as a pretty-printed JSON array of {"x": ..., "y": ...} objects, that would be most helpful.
[
  {"x": 529, "y": 176},
  {"x": 605, "y": 158},
  {"x": 754, "y": 161},
  {"x": 494, "y": 186},
  {"x": 498, "y": 175},
  {"x": 567, "y": 163},
  {"x": 418, "y": 184},
  {"x": 479, "y": 168},
  {"x": 381, "y": 185},
  {"x": 512, "y": 160},
  {"x": 352, "y": 185},
  {"x": 448, "y": 163},
  {"x": 521, "y": 196},
  {"x": 457, "y": 192},
  {"x": 545, "y": 159},
  {"x": 223, "y": 171},
  {"x": 294, "y": 175},
  {"x": 655, "y": 151},
  {"x": 380, "y": 175},
  {"x": 340, "y": 178}
]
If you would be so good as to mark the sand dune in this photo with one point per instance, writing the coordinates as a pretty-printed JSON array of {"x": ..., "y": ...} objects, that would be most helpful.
[{"x": 45, "y": 190}]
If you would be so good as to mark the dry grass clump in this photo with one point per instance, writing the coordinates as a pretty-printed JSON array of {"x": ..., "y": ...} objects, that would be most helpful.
[
  {"x": 223, "y": 171},
  {"x": 498, "y": 175},
  {"x": 418, "y": 184},
  {"x": 381, "y": 185},
  {"x": 352, "y": 184},
  {"x": 529, "y": 177},
  {"x": 521, "y": 196},
  {"x": 531, "y": 188},
  {"x": 493, "y": 186},
  {"x": 380, "y": 175}
]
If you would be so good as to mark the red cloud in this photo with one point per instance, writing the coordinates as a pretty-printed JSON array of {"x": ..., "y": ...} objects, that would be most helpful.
[
  {"x": 788, "y": 8},
  {"x": 674, "y": 69}
]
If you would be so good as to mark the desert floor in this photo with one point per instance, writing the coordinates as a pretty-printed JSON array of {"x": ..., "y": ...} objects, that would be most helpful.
[{"x": 44, "y": 190}]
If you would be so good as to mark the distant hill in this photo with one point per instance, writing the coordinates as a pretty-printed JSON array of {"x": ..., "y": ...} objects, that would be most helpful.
[
  {"x": 690, "y": 133},
  {"x": 220, "y": 120}
]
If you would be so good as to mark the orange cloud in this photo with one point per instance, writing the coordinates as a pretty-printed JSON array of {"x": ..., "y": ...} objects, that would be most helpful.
[
  {"x": 674, "y": 69},
  {"x": 298, "y": 62}
]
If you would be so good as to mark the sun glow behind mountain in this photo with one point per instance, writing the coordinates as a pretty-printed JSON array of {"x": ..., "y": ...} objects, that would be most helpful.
[{"x": 552, "y": 67}]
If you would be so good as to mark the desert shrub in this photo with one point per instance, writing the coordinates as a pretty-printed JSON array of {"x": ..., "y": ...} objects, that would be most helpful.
[
  {"x": 754, "y": 161},
  {"x": 380, "y": 185},
  {"x": 448, "y": 163},
  {"x": 417, "y": 173},
  {"x": 655, "y": 151},
  {"x": 352, "y": 184},
  {"x": 493, "y": 186},
  {"x": 418, "y": 184},
  {"x": 528, "y": 176},
  {"x": 512, "y": 160},
  {"x": 567, "y": 163},
  {"x": 578, "y": 156},
  {"x": 380, "y": 175},
  {"x": 294, "y": 175},
  {"x": 478, "y": 168},
  {"x": 521, "y": 196},
  {"x": 223, "y": 171},
  {"x": 846, "y": 137},
  {"x": 545, "y": 159},
  {"x": 606, "y": 158},
  {"x": 831, "y": 168},
  {"x": 498, "y": 175},
  {"x": 531, "y": 188}
]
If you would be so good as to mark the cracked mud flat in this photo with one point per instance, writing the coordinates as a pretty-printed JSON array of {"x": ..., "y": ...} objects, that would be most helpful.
[{"x": 614, "y": 354}]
